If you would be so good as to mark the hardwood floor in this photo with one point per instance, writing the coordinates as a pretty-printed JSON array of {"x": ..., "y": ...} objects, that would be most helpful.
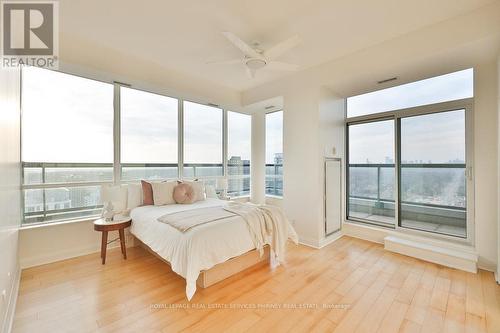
[{"x": 348, "y": 286}]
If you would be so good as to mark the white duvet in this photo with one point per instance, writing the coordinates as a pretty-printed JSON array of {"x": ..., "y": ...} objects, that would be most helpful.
[{"x": 197, "y": 249}]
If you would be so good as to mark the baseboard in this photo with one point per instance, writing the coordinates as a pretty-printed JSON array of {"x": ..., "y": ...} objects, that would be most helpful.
[
  {"x": 309, "y": 242},
  {"x": 365, "y": 232},
  {"x": 330, "y": 238},
  {"x": 318, "y": 244},
  {"x": 443, "y": 255},
  {"x": 11, "y": 303}
]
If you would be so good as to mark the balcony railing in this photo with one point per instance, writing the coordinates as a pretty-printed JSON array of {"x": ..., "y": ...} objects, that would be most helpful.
[
  {"x": 274, "y": 179},
  {"x": 60, "y": 191},
  {"x": 432, "y": 195}
]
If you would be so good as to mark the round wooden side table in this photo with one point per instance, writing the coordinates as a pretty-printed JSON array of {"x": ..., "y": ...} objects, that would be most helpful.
[{"x": 106, "y": 226}]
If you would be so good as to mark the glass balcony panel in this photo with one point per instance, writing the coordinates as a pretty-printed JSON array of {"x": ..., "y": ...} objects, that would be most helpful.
[{"x": 148, "y": 173}]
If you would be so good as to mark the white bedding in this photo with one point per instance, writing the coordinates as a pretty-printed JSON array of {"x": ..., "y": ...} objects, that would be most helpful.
[{"x": 194, "y": 250}]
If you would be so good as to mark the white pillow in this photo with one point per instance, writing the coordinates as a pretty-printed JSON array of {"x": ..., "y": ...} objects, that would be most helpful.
[
  {"x": 210, "y": 191},
  {"x": 163, "y": 193},
  {"x": 198, "y": 187},
  {"x": 117, "y": 194},
  {"x": 134, "y": 196}
]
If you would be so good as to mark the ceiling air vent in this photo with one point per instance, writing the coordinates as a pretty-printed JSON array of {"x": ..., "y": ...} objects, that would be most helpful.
[{"x": 387, "y": 80}]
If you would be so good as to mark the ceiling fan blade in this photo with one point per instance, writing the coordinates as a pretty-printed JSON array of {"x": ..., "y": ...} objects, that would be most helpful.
[
  {"x": 250, "y": 73},
  {"x": 281, "y": 66},
  {"x": 281, "y": 48},
  {"x": 244, "y": 47},
  {"x": 225, "y": 62}
]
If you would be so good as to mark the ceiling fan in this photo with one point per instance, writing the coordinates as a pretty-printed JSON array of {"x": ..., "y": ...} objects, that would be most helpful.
[{"x": 255, "y": 59}]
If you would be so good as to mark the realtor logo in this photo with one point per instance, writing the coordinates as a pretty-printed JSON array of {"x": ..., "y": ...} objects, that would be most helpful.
[{"x": 29, "y": 33}]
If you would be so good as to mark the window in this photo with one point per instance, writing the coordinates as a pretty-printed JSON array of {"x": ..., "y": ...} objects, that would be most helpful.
[
  {"x": 274, "y": 153},
  {"x": 202, "y": 141},
  {"x": 371, "y": 172},
  {"x": 409, "y": 168},
  {"x": 149, "y": 135},
  {"x": 239, "y": 152},
  {"x": 70, "y": 143},
  {"x": 67, "y": 143},
  {"x": 448, "y": 87}
]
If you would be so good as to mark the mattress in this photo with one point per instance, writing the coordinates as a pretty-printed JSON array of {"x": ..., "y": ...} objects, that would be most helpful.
[{"x": 198, "y": 249}]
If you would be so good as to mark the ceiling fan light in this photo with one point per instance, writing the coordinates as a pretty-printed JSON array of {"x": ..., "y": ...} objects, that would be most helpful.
[{"x": 255, "y": 63}]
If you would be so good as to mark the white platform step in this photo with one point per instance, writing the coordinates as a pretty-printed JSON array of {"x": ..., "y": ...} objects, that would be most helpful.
[{"x": 459, "y": 257}]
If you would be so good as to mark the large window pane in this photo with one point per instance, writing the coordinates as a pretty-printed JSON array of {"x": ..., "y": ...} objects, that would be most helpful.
[
  {"x": 433, "y": 183},
  {"x": 274, "y": 153},
  {"x": 371, "y": 172},
  {"x": 67, "y": 138},
  {"x": 202, "y": 140},
  {"x": 66, "y": 118},
  {"x": 202, "y": 134},
  {"x": 239, "y": 152},
  {"x": 149, "y": 135},
  {"x": 148, "y": 127},
  {"x": 453, "y": 86}
]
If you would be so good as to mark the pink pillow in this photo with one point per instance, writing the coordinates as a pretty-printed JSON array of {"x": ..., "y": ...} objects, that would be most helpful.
[
  {"x": 184, "y": 194},
  {"x": 147, "y": 193}
]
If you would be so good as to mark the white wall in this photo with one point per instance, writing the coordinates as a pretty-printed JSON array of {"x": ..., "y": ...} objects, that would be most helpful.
[
  {"x": 486, "y": 163},
  {"x": 10, "y": 215},
  {"x": 331, "y": 138},
  {"x": 49, "y": 243}
]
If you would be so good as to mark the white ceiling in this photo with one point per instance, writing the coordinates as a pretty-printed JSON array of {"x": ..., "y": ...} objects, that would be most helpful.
[{"x": 184, "y": 35}]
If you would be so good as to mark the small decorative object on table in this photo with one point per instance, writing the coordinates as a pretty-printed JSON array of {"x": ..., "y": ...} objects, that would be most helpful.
[
  {"x": 108, "y": 211},
  {"x": 119, "y": 223}
]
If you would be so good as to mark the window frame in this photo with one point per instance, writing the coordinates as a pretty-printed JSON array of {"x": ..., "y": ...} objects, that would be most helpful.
[
  {"x": 466, "y": 104},
  {"x": 116, "y": 165}
]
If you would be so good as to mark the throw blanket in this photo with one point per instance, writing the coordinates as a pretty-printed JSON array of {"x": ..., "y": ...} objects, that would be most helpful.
[
  {"x": 266, "y": 224},
  {"x": 185, "y": 220}
]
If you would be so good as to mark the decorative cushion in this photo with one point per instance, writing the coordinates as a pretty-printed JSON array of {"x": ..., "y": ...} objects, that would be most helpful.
[
  {"x": 163, "y": 193},
  {"x": 198, "y": 187},
  {"x": 184, "y": 194},
  {"x": 134, "y": 196},
  {"x": 147, "y": 193}
]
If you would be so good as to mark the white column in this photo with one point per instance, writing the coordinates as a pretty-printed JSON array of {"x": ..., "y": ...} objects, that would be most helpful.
[{"x": 258, "y": 163}]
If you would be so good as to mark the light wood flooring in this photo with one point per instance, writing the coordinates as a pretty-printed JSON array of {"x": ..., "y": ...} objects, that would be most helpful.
[{"x": 348, "y": 286}]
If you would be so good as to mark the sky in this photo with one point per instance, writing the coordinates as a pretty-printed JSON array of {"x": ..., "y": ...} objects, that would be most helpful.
[
  {"x": 70, "y": 119},
  {"x": 438, "y": 137}
]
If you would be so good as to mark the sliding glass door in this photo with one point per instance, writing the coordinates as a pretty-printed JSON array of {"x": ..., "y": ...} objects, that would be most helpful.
[
  {"x": 409, "y": 157},
  {"x": 433, "y": 189},
  {"x": 371, "y": 172}
]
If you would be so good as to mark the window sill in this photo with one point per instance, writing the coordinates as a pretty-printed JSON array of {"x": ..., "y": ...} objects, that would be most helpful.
[
  {"x": 27, "y": 226},
  {"x": 274, "y": 196}
]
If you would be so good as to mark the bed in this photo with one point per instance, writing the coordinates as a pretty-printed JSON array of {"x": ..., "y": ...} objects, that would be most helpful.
[{"x": 199, "y": 249}]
